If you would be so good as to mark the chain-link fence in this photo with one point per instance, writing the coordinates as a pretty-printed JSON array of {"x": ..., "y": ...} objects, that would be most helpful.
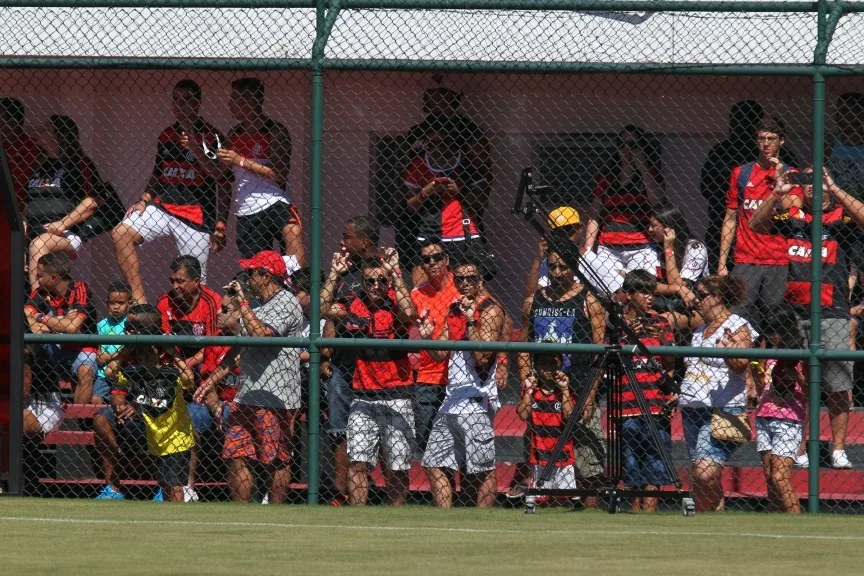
[{"x": 516, "y": 185}]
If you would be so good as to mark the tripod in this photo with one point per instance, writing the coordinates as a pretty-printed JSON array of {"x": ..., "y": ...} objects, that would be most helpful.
[{"x": 612, "y": 365}]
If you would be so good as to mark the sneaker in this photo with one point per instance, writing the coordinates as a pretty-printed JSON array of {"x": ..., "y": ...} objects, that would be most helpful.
[
  {"x": 189, "y": 494},
  {"x": 515, "y": 493},
  {"x": 266, "y": 499},
  {"x": 159, "y": 496},
  {"x": 802, "y": 461},
  {"x": 340, "y": 500},
  {"x": 108, "y": 493},
  {"x": 840, "y": 460}
]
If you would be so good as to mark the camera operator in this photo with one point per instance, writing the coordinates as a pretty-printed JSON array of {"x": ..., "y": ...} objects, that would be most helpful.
[{"x": 261, "y": 420}]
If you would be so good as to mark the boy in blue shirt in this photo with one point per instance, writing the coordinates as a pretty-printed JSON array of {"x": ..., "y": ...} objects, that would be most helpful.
[{"x": 118, "y": 302}]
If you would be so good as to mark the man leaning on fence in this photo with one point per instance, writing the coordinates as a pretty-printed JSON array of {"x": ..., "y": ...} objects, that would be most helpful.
[
  {"x": 260, "y": 423},
  {"x": 381, "y": 417},
  {"x": 462, "y": 437}
]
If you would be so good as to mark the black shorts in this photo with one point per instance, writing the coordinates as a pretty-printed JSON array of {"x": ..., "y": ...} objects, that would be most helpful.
[
  {"x": 258, "y": 231},
  {"x": 173, "y": 469}
]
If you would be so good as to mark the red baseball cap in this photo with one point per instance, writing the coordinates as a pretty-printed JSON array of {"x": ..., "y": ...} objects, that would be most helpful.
[{"x": 267, "y": 259}]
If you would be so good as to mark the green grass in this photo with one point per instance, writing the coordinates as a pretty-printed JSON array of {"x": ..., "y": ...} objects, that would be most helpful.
[{"x": 80, "y": 537}]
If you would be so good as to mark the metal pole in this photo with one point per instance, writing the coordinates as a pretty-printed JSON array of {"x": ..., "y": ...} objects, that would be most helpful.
[{"x": 16, "y": 364}]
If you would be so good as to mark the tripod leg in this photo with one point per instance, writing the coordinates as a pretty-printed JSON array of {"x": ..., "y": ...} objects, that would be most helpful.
[
  {"x": 665, "y": 456},
  {"x": 574, "y": 419}
]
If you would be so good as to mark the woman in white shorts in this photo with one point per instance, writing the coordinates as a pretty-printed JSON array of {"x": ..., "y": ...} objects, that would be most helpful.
[{"x": 66, "y": 201}]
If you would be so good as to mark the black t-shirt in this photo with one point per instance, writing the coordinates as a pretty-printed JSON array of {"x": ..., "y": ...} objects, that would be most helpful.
[
  {"x": 350, "y": 283},
  {"x": 562, "y": 321}
]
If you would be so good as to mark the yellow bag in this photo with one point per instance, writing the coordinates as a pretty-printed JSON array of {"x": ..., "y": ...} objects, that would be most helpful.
[{"x": 730, "y": 427}]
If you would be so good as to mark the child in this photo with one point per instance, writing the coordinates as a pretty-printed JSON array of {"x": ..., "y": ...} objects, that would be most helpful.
[
  {"x": 149, "y": 384},
  {"x": 546, "y": 404},
  {"x": 643, "y": 468},
  {"x": 119, "y": 299},
  {"x": 780, "y": 413}
]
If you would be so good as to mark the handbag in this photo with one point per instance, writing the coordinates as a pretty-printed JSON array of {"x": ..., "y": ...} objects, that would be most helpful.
[{"x": 728, "y": 427}]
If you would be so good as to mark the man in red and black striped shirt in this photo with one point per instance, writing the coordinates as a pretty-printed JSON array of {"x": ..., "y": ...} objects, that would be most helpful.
[{"x": 642, "y": 465}]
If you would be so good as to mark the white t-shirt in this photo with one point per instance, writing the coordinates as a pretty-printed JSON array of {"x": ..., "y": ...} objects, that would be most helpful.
[
  {"x": 709, "y": 382},
  {"x": 466, "y": 392}
]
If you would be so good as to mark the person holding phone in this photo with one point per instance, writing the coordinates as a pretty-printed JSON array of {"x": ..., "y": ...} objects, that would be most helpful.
[{"x": 842, "y": 217}]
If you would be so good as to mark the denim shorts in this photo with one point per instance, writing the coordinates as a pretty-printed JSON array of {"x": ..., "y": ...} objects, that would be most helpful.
[
  {"x": 66, "y": 362},
  {"x": 339, "y": 398},
  {"x": 200, "y": 416},
  {"x": 102, "y": 388},
  {"x": 640, "y": 458},
  {"x": 697, "y": 434}
]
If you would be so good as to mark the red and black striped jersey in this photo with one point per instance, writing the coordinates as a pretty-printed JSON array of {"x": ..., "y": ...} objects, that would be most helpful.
[
  {"x": 546, "y": 424},
  {"x": 626, "y": 211},
  {"x": 656, "y": 332},
  {"x": 201, "y": 320},
  {"x": 78, "y": 299}
]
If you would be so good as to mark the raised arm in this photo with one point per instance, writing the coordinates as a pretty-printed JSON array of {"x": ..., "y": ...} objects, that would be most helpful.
[{"x": 338, "y": 268}]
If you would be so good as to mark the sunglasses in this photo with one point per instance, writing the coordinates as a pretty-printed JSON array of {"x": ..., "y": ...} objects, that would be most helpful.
[
  {"x": 432, "y": 258},
  {"x": 226, "y": 310},
  {"x": 558, "y": 268},
  {"x": 469, "y": 279},
  {"x": 375, "y": 281}
]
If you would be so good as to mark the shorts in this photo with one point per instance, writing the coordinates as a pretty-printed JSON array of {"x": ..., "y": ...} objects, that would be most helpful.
[
  {"x": 66, "y": 362},
  {"x": 75, "y": 241},
  {"x": 778, "y": 436},
  {"x": 155, "y": 223},
  {"x": 428, "y": 399},
  {"x": 373, "y": 424},
  {"x": 173, "y": 469},
  {"x": 460, "y": 441},
  {"x": 131, "y": 434},
  {"x": 590, "y": 448},
  {"x": 258, "y": 433},
  {"x": 562, "y": 478},
  {"x": 200, "y": 415},
  {"x": 612, "y": 262},
  {"x": 257, "y": 232},
  {"x": 102, "y": 388},
  {"x": 640, "y": 460},
  {"x": 837, "y": 375},
  {"x": 764, "y": 286},
  {"x": 339, "y": 398},
  {"x": 47, "y": 410},
  {"x": 701, "y": 445}
]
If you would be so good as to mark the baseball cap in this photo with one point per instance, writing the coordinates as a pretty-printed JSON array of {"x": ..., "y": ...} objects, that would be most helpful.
[
  {"x": 267, "y": 259},
  {"x": 563, "y": 216}
]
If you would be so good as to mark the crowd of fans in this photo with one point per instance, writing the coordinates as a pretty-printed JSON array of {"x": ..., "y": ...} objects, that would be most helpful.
[{"x": 747, "y": 284}]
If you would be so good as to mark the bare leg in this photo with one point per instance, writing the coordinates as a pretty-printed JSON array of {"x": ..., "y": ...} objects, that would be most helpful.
[
  {"x": 397, "y": 487},
  {"x": 106, "y": 445},
  {"x": 773, "y": 497},
  {"x": 126, "y": 241},
  {"x": 280, "y": 479},
  {"x": 649, "y": 503},
  {"x": 31, "y": 424},
  {"x": 84, "y": 387},
  {"x": 708, "y": 490},
  {"x": 442, "y": 491},
  {"x": 172, "y": 493},
  {"x": 193, "y": 459},
  {"x": 781, "y": 476},
  {"x": 340, "y": 466},
  {"x": 292, "y": 235},
  {"x": 358, "y": 483},
  {"x": 240, "y": 480},
  {"x": 839, "y": 406},
  {"x": 485, "y": 486}
]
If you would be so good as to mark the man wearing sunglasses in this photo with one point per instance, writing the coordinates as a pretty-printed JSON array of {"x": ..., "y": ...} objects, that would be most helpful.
[
  {"x": 462, "y": 437},
  {"x": 432, "y": 299},
  {"x": 261, "y": 421},
  {"x": 382, "y": 412}
]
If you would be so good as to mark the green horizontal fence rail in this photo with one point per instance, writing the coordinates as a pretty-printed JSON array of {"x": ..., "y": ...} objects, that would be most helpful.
[{"x": 327, "y": 12}]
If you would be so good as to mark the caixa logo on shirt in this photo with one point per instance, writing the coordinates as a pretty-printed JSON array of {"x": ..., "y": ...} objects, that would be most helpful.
[
  {"x": 799, "y": 251},
  {"x": 752, "y": 204}
]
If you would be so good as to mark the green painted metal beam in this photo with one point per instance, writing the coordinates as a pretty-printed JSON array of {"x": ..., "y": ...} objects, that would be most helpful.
[
  {"x": 151, "y": 4},
  {"x": 93, "y": 62},
  {"x": 583, "y": 5}
]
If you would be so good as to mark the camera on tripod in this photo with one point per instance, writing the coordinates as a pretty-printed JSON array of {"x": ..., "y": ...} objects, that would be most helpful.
[{"x": 535, "y": 194}]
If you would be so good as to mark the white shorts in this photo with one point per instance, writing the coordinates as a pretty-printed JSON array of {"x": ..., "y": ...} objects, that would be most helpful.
[
  {"x": 562, "y": 478},
  {"x": 461, "y": 440},
  {"x": 75, "y": 241},
  {"x": 780, "y": 437},
  {"x": 155, "y": 223},
  {"x": 47, "y": 411},
  {"x": 613, "y": 262},
  {"x": 376, "y": 423}
]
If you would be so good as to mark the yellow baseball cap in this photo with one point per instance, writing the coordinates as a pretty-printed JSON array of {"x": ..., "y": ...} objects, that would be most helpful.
[{"x": 563, "y": 216}]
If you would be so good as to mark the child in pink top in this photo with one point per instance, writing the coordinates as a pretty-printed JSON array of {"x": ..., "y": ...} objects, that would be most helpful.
[{"x": 781, "y": 409}]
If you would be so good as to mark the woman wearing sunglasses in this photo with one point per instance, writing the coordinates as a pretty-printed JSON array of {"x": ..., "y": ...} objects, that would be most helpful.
[{"x": 715, "y": 384}]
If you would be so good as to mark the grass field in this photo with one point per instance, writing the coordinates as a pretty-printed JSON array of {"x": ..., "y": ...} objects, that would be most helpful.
[{"x": 81, "y": 537}]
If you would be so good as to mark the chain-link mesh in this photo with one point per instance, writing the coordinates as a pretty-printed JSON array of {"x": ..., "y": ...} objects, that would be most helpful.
[{"x": 677, "y": 211}]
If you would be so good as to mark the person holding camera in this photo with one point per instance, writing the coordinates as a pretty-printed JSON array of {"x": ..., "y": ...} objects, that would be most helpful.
[
  {"x": 842, "y": 217},
  {"x": 462, "y": 436},
  {"x": 623, "y": 199},
  {"x": 260, "y": 422},
  {"x": 381, "y": 415},
  {"x": 761, "y": 260}
]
